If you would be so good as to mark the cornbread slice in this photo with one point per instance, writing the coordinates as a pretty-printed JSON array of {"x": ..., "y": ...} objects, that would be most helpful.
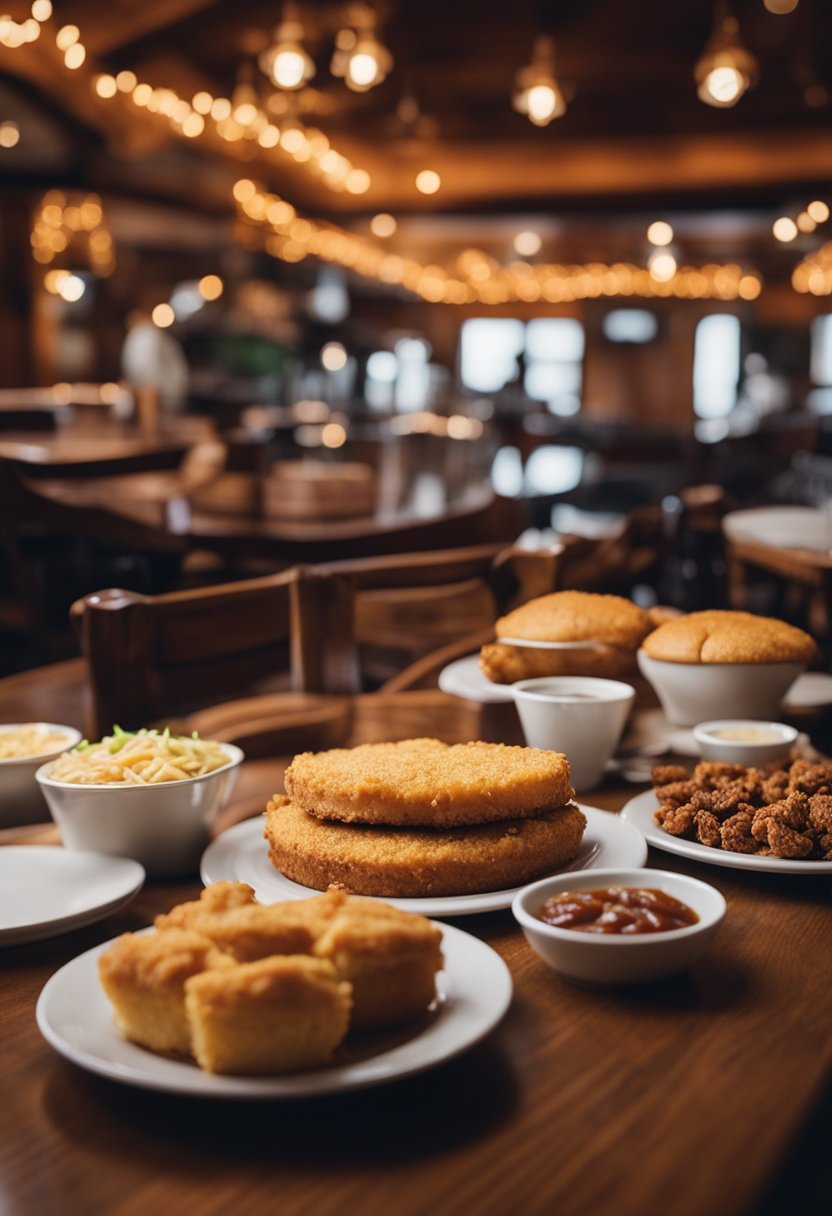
[
  {"x": 427, "y": 783},
  {"x": 144, "y": 976},
  {"x": 389, "y": 957},
  {"x": 729, "y": 637},
  {"x": 374, "y": 860},
  {"x": 280, "y": 1014},
  {"x": 219, "y": 897}
]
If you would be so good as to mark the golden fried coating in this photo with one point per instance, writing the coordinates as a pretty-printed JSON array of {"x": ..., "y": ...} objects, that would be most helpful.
[
  {"x": 220, "y": 897},
  {"x": 776, "y": 812},
  {"x": 426, "y": 783},
  {"x": 505, "y": 664},
  {"x": 729, "y": 637},
  {"x": 373, "y": 860},
  {"x": 279, "y": 1014},
  {"x": 145, "y": 975},
  {"x": 577, "y": 616}
]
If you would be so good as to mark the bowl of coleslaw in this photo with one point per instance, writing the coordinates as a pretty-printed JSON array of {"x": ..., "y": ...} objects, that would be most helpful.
[
  {"x": 147, "y": 794},
  {"x": 24, "y": 747}
]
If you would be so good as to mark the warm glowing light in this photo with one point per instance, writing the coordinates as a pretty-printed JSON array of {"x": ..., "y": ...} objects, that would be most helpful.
[
  {"x": 67, "y": 36},
  {"x": 333, "y": 356},
  {"x": 805, "y": 222},
  {"x": 536, "y": 92},
  {"x": 287, "y": 63},
  {"x": 105, "y": 86},
  {"x": 383, "y": 225},
  {"x": 818, "y": 211},
  {"x": 660, "y": 233},
  {"x": 749, "y": 287},
  {"x": 784, "y": 229},
  {"x": 75, "y": 55},
  {"x": 71, "y": 288},
  {"x": 42, "y": 10},
  {"x": 142, "y": 94},
  {"x": 244, "y": 190},
  {"x": 193, "y": 125},
  {"x": 292, "y": 140},
  {"x": 428, "y": 181},
  {"x": 781, "y": 7},
  {"x": 367, "y": 64},
  {"x": 9, "y": 134},
  {"x": 210, "y": 287},
  {"x": 163, "y": 316},
  {"x": 662, "y": 267},
  {"x": 269, "y": 137},
  {"x": 220, "y": 109},
  {"x": 725, "y": 69},
  {"x": 126, "y": 81},
  {"x": 202, "y": 102},
  {"x": 527, "y": 244},
  {"x": 357, "y": 181},
  {"x": 333, "y": 435}
]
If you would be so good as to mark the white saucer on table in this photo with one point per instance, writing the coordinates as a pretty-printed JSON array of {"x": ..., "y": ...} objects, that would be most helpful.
[
  {"x": 241, "y": 855},
  {"x": 474, "y": 992},
  {"x": 465, "y": 678},
  {"x": 46, "y": 890}
]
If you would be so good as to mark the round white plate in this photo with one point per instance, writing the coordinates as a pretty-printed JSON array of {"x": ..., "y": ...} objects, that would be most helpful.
[
  {"x": 465, "y": 678},
  {"x": 812, "y": 690},
  {"x": 46, "y": 890},
  {"x": 241, "y": 855},
  {"x": 639, "y": 813},
  {"x": 781, "y": 527},
  {"x": 474, "y": 989}
]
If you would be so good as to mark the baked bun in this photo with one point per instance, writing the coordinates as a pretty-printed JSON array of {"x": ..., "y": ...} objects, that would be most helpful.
[
  {"x": 729, "y": 637},
  {"x": 615, "y": 624}
]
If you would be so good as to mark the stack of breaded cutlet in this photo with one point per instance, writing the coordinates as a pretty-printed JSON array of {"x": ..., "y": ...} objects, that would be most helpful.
[{"x": 424, "y": 818}]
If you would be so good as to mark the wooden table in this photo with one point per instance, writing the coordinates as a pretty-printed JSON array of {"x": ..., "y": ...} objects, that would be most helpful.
[{"x": 707, "y": 1093}]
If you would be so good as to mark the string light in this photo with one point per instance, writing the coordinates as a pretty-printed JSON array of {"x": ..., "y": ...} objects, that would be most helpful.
[
  {"x": 361, "y": 59},
  {"x": 211, "y": 287},
  {"x": 818, "y": 211},
  {"x": 383, "y": 225},
  {"x": 527, "y": 244},
  {"x": 537, "y": 93},
  {"x": 660, "y": 233},
  {"x": 163, "y": 316},
  {"x": 287, "y": 63},
  {"x": 74, "y": 225},
  {"x": 9, "y": 134},
  {"x": 726, "y": 69},
  {"x": 784, "y": 229},
  {"x": 814, "y": 273},
  {"x": 428, "y": 181}
]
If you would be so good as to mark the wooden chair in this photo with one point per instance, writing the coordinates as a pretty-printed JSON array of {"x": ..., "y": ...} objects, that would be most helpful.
[{"x": 332, "y": 630}]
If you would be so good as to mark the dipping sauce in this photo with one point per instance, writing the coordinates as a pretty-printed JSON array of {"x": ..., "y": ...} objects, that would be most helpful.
[
  {"x": 624, "y": 910},
  {"x": 748, "y": 734}
]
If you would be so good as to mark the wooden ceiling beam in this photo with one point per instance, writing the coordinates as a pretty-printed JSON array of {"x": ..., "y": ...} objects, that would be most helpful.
[{"x": 126, "y": 21}]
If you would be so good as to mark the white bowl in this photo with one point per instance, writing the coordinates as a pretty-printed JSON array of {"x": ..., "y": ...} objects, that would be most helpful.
[
  {"x": 690, "y": 692},
  {"x": 579, "y": 715},
  {"x": 20, "y": 798},
  {"x": 752, "y": 752},
  {"x": 165, "y": 825},
  {"x": 596, "y": 958}
]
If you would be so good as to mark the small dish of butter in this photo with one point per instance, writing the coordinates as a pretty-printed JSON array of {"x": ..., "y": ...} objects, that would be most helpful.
[{"x": 744, "y": 741}]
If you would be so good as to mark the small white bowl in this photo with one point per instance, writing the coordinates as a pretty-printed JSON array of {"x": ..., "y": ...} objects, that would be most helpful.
[
  {"x": 20, "y": 799},
  {"x": 690, "y": 692},
  {"x": 596, "y": 958},
  {"x": 165, "y": 826},
  {"x": 582, "y": 716},
  {"x": 752, "y": 752}
]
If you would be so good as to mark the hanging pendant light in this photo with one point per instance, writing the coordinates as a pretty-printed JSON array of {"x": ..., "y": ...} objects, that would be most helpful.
[
  {"x": 726, "y": 69},
  {"x": 287, "y": 63},
  {"x": 536, "y": 92},
  {"x": 359, "y": 56}
]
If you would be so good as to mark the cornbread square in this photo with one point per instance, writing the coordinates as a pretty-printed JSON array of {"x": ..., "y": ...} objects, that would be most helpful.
[
  {"x": 390, "y": 957},
  {"x": 279, "y": 1014},
  {"x": 218, "y": 898},
  {"x": 144, "y": 976}
]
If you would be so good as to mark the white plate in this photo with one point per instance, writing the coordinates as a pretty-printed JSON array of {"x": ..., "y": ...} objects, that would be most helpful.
[
  {"x": 46, "y": 890},
  {"x": 639, "y": 813},
  {"x": 241, "y": 855},
  {"x": 812, "y": 690},
  {"x": 475, "y": 988},
  {"x": 465, "y": 678},
  {"x": 781, "y": 527}
]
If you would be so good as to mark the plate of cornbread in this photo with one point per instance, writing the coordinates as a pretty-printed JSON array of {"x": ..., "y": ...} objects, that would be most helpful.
[
  {"x": 228, "y": 998},
  {"x": 436, "y": 828}
]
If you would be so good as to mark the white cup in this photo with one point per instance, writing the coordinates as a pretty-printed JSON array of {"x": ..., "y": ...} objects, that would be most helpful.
[{"x": 579, "y": 715}]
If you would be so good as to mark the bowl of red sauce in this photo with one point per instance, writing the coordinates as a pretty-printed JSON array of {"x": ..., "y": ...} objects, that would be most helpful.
[{"x": 619, "y": 926}]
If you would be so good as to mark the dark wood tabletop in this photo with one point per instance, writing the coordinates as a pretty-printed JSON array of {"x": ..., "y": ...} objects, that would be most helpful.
[{"x": 704, "y": 1093}]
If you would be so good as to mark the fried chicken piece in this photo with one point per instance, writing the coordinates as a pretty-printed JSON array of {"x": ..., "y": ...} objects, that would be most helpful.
[
  {"x": 708, "y": 829},
  {"x": 729, "y": 798},
  {"x": 786, "y": 842},
  {"x": 676, "y": 793},
  {"x": 710, "y": 774},
  {"x": 811, "y": 778},
  {"x": 736, "y": 832},
  {"x": 677, "y": 820},
  {"x": 775, "y": 786},
  {"x": 792, "y": 812},
  {"x": 820, "y": 814},
  {"x": 667, "y": 774}
]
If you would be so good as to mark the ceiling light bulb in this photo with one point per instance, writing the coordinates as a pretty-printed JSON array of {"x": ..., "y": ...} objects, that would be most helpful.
[
  {"x": 536, "y": 91},
  {"x": 784, "y": 228},
  {"x": 286, "y": 62},
  {"x": 71, "y": 288},
  {"x": 662, "y": 266},
  {"x": 75, "y": 55},
  {"x": 163, "y": 316},
  {"x": 383, "y": 225},
  {"x": 660, "y": 233},
  {"x": 42, "y": 10},
  {"x": 527, "y": 244},
  {"x": 818, "y": 211},
  {"x": 805, "y": 222},
  {"x": 428, "y": 181},
  {"x": 725, "y": 69},
  {"x": 367, "y": 64}
]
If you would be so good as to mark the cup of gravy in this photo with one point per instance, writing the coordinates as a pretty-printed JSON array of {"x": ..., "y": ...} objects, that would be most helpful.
[{"x": 741, "y": 741}]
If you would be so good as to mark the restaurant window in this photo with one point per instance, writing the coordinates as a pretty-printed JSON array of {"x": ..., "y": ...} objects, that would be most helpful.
[
  {"x": 634, "y": 325},
  {"x": 819, "y": 399},
  {"x": 716, "y": 365},
  {"x": 545, "y": 354}
]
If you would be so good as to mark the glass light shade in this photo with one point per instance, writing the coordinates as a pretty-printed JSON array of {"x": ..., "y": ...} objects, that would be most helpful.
[{"x": 726, "y": 70}]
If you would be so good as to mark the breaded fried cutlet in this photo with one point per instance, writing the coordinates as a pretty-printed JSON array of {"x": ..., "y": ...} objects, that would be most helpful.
[
  {"x": 373, "y": 860},
  {"x": 427, "y": 783},
  {"x": 503, "y": 663},
  {"x": 717, "y": 636},
  {"x": 390, "y": 957},
  {"x": 279, "y": 1014},
  {"x": 144, "y": 976}
]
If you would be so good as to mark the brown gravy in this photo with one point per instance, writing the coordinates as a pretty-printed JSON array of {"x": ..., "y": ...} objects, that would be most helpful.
[{"x": 624, "y": 910}]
